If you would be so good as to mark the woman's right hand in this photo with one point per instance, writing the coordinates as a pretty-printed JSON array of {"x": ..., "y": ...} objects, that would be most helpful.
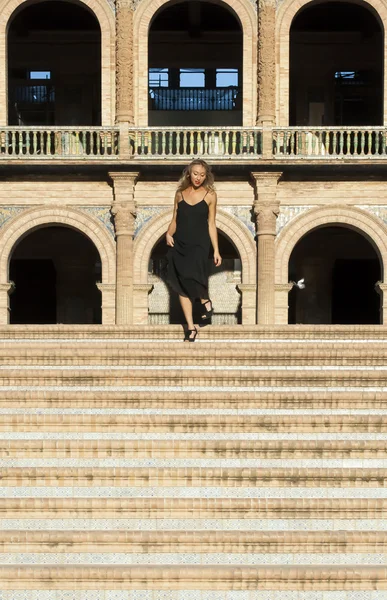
[{"x": 169, "y": 239}]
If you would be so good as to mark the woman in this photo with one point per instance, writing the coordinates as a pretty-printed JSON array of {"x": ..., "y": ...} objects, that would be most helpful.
[{"x": 189, "y": 235}]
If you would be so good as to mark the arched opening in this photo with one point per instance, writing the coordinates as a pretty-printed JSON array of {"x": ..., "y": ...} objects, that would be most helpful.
[
  {"x": 54, "y": 65},
  {"x": 340, "y": 268},
  {"x": 164, "y": 306},
  {"x": 195, "y": 66},
  {"x": 336, "y": 66},
  {"x": 55, "y": 270}
]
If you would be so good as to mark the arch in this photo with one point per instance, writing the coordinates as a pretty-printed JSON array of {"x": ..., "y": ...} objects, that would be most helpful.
[
  {"x": 248, "y": 18},
  {"x": 228, "y": 224},
  {"x": 285, "y": 16},
  {"x": 33, "y": 218},
  {"x": 105, "y": 17},
  {"x": 352, "y": 217}
]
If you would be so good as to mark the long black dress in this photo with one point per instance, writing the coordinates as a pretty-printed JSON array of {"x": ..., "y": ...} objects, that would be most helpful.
[{"x": 188, "y": 259}]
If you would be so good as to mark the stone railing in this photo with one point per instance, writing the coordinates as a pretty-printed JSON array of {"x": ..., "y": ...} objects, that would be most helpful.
[
  {"x": 59, "y": 142},
  {"x": 184, "y": 143},
  {"x": 222, "y": 142},
  {"x": 330, "y": 142}
]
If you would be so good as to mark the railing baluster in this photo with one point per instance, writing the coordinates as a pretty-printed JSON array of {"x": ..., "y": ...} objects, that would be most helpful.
[{"x": 362, "y": 143}]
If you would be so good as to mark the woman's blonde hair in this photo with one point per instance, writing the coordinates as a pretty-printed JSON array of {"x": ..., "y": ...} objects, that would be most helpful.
[{"x": 185, "y": 179}]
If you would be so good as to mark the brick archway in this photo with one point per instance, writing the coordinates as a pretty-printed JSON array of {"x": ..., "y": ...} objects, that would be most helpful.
[
  {"x": 105, "y": 17},
  {"x": 247, "y": 16},
  {"x": 227, "y": 224},
  {"x": 355, "y": 218},
  {"x": 285, "y": 16},
  {"x": 32, "y": 219}
]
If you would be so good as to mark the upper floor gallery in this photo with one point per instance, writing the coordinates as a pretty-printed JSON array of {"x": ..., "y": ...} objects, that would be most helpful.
[{"x": 177, "y": 78}]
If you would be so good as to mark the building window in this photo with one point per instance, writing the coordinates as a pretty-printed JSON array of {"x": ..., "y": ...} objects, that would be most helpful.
[
  {"x": 39, "y": 75},
  {"x": 158, "y": 78},
  {"x": 192, "y": 78},
  {"x": 226, "y": 77}
]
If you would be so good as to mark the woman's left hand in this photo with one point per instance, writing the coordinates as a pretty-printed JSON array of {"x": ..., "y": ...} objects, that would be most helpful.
[{"x": 217, "y": 259}]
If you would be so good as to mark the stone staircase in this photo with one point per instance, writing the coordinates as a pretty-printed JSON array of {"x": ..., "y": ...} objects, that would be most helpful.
[{"x": 250, "y": 465}]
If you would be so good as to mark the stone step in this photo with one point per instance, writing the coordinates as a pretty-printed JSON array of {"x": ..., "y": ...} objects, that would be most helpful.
[
  {"x": 174, "y": 333},
  {"x": 188, "y": 423},
  {"x": 123, "y": 354},
  {"x": 202, "y": 449},
  {"x": 323, "y": 399},
  {"x": 203, "y": 577},
  {"x": 174, "y": 378},
  {"x": 210, "y": 541},
  {"x": 224, "y": 477},
  {"x": 221, "y": 508}
]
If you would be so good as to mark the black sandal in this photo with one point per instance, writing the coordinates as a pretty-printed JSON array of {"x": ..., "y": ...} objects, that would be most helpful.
[
  {"x": 209, "y": 311},
  {"x": 187, "y": 337}
]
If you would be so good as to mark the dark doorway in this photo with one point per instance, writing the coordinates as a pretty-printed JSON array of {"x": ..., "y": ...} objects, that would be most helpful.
[
  {"x": 54, "y": 65},
  {"x": 354, "y": 300},
  {"x": 336, "y": 65},
  {"x": 195, "y": 65},
  {"x": 34, "y": 296},
  {"x": 55, "y": 270},
  {"x": 340, "y": 268}
]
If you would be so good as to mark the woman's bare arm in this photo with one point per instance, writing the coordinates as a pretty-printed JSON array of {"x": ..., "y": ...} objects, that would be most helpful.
[
  {"x": 212, "y": 201},
  {"x": 172, "y": 226}
]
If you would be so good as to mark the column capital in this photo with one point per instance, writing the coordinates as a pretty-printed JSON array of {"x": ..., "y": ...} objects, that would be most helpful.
[
  {"x": 266, "y": 178},
  {"x": 125, "y": 4},
  {"x": 266, "y": 206},
  {"x": 284, "y": 287},
  {"x": 266, "y": 215},
  {"x": 124, "y": 177},
  {"x": 7, "y": 287},
  {"x": 124, "y": 206}
]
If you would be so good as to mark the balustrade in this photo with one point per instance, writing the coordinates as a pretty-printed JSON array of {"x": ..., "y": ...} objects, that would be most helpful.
[
  {"x": 329, "y": 142},
  {"x": 58, "y": 142},
  {"x": 186, "y": 142},
  {"x": 175, "y": 143},
  {"x": 161, "y": 98}
]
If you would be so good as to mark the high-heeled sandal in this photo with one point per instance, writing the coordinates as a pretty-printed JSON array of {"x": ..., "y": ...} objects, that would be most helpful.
[
  {"x": 209, "y": 311},
  {"x": 188, "y": 338}
]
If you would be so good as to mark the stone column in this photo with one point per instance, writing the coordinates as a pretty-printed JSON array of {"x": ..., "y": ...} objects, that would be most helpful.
[
  {"x": 124, "y": 212},
  {"x": 6, "y": 290},
  {"x": 249, "y": 293},
  {"x": 141, "y": 302},
  {"x": 381, "y": 289},
  {"x": 266, "y": 210},
  {"x": 266, "y": 72},
  {"x": 281, "y": 316},
  {"x": 124, "y": 72},
  {"x": 108, "y": 300}
]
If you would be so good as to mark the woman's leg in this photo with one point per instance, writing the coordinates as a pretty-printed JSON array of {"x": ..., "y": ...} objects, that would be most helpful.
[
  {"x": 186, "y": 305},
  {"x": 207, "y": 304}
]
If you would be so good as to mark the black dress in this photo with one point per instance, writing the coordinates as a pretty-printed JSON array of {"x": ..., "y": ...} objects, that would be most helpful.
[{"x": 188, "y": 259}]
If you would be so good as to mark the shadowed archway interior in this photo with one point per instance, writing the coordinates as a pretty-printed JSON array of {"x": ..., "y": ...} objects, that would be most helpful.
[
  {"x": 54, "y": 65},
  {"x": 340, "y": 269},
  {"x": 336, "y": 66},
  {"x": 55, "y": 271}
]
